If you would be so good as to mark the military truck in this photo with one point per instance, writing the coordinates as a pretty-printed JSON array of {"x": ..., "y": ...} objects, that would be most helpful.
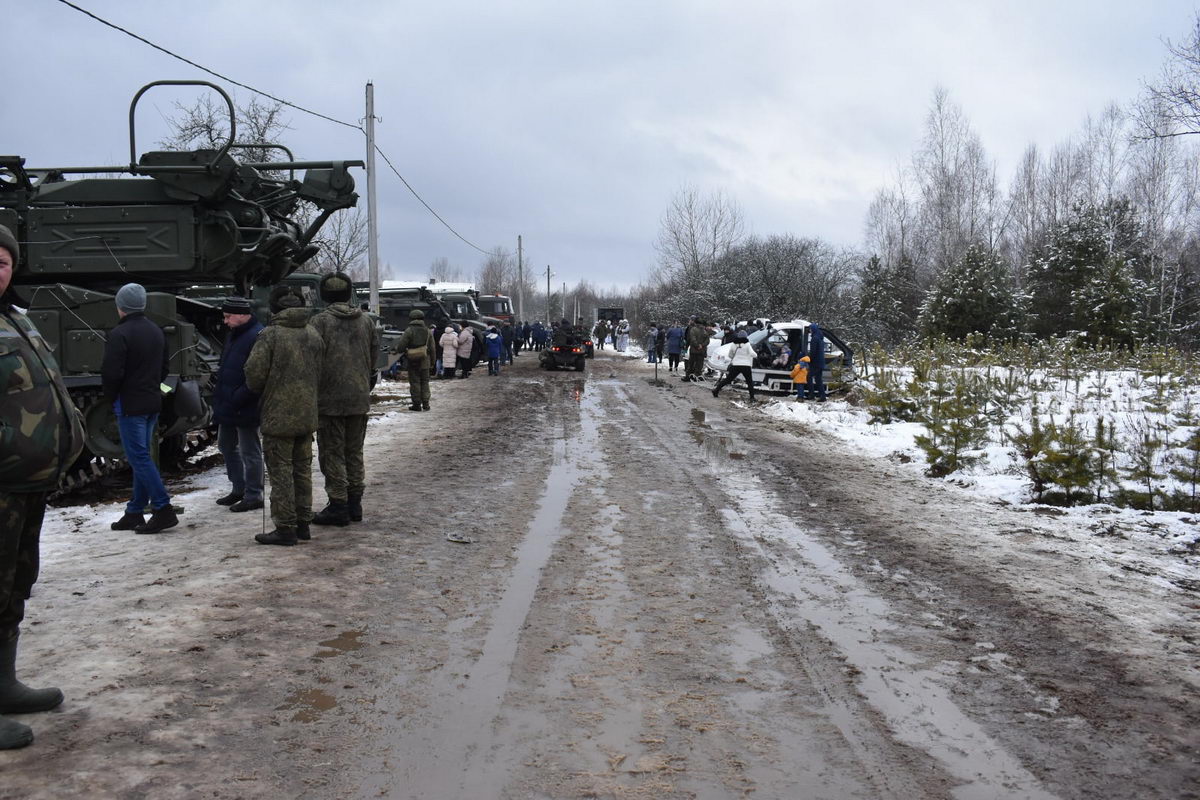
[{"x": 181, "y": 223}]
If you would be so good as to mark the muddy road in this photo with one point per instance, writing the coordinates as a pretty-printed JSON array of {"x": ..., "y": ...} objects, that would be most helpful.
[{"x": 667, "y": 596}]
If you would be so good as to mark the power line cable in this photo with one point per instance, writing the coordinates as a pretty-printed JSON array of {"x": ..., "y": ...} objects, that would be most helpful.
[
  {"x": 162, "y": 49},
  {"x": 214, "y": 73},
  {"x": 388, "y": 161}
]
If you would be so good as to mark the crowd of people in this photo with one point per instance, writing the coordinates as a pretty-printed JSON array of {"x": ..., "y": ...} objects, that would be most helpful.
[
  {"x": 276, "y": 386},
  {"x": 687, "y": 343}
]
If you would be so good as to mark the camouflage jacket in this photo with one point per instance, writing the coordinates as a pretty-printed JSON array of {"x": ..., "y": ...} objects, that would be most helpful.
[
  {"x": 697, "y": 338},
  {"x": 284, "y": 367},
  {"x": 351, "y": 342},
  {"x": 41, "y": 434},
  {"x": 417, "y": 335}
]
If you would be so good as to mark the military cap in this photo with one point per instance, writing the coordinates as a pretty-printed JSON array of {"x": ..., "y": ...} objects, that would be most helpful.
[
  {"x": 284, "y": 297},
  {"x": 335, "y": 288}
]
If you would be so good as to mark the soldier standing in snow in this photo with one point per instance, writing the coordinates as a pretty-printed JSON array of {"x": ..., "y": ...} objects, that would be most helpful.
[
  {"x": 351, "y": 341},
  {"x": 417, "y": 345},
  {"x": 40, "y": 437},
  {"x": 284, "y": 367}
]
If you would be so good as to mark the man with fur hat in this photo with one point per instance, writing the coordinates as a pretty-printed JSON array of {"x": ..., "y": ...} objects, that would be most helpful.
[
  {"x": 282, "y": 368},
  {"x": 417, "y": 346},
  {"x": 351, "y": 340},
  {"x": 235, "y": 409},
  {"x": 40, "y": 437},
  {"x": 132, "y": 373}
]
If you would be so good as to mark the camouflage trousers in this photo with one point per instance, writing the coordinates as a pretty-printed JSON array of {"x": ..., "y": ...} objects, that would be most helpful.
[
  {"x": 340, "y": 454},
  {"x": 20, "y": 529},
  {"x": 695, "y": 363},
  {"x": 289, "y": 466},
  {"x": 418, "y": 381}
]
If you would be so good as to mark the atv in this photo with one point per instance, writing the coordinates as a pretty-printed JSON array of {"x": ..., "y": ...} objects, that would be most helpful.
[{"x": 566, "y": 351}]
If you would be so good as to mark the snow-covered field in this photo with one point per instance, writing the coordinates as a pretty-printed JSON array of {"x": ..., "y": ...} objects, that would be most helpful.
[{"x": 1168, "y": 542}]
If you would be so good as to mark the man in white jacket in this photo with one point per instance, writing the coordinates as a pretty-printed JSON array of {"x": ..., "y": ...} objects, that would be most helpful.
[{"x": 741, "y": 360}]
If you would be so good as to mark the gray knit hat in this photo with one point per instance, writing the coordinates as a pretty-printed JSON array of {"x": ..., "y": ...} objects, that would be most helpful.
[
  {"x": 131, "y": 297},
  {"x": 236, "y": 305},
  {"x": 9, "y": 243}
]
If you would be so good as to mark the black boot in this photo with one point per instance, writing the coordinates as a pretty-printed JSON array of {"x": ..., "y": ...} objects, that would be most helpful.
[
  {"x": 128, "y": 522},
  {"x": 162, "y": 519},
  {"x": 16, "y": 697},
  {"x": 281, "y": 535},
  {"x": 13, "y": 734},
  {"x": 336, "y": 513},
  {"x": 354, "y": 504},
  {"x": 303, "y": 533},
  {"x": 229, "y": 499}
]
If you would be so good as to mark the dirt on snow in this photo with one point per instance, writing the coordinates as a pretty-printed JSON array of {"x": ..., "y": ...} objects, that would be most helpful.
[{"x": 667, "y": 596}]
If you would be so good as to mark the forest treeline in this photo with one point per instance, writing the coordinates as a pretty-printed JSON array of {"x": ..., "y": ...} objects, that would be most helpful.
[{"x": 1094, "y": 239}]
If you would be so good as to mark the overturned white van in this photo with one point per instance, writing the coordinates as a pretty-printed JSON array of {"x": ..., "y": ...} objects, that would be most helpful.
[{"x": 777, "y": 348}]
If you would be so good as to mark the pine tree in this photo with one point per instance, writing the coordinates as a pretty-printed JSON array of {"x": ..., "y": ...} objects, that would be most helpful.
[
  {"x": 1031, "y": 443},
  {"x": 1145, "y": 453},
  {"x": 1067, "y": 462},
  {"x": 1185, "y": 461},
  {"x": 1066, "y": 279},
  {"x": 1104, "y": 452},
  {"x": 954, "y": 424},
  {"x": 974, "y": 295}
]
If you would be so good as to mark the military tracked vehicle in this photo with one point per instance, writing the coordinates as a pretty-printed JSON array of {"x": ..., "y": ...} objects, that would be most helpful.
[{"x": 177, "y": 222}]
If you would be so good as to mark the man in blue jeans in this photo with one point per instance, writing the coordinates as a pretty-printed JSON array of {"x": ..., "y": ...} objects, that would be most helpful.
[
  {"x": 134, "y": 367},
  {"x": 235, "y": 409}
]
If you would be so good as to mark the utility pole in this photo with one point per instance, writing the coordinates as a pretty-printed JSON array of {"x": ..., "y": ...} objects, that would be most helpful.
[
  {"x": 564, "y": 300},
  {"x": 548, "y": 274},
  {"x": 520, "y": 283},
  {"x": 372, "y": 219}
]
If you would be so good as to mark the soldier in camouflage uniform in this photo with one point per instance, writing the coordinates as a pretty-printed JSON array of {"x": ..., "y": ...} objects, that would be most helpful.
[
  {"x": 417, "y": 346},
  {"x": 697, "y": 338},
  {"x": 40, "y": 437},
  {"x": 282, "y": 369},
  {"x": 351, "y": 341}
]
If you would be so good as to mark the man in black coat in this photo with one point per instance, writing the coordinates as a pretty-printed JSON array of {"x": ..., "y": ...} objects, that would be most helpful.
[
  {"x": 235, "y": 409},
  {"x": 134, "y": 368}
]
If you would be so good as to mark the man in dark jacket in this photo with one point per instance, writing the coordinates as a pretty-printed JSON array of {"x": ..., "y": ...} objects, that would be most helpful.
[
  {"x": 351, "y": 340},
  {"x": 417, "y": 345},
  {"x": 132, "y": 374},
  {"x": 506, "y": 333},
  {"x": 283, "y": 368},
  {"x": 697, "y": 339},
  {"x": 235, "y": 409},
  {"x": 814, "y": 386},
  {"x": 40, "y": 437}
]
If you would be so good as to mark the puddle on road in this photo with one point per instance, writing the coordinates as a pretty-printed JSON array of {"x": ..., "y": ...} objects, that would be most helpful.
[
  {"x": 452, "y": 757},
  {"x": 855, "y": 621},
  {"x": 311, "y": 704},
  {"x": 345, "y": 642}
]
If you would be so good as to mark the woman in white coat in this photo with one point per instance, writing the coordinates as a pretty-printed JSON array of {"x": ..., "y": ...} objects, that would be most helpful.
[{"x": 449, "y": 345}]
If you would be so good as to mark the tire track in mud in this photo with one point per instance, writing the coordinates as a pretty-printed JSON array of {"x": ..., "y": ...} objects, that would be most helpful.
[{"x": 892, "y": 770}]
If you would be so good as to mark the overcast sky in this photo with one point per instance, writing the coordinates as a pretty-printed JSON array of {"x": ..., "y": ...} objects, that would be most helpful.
[{"x": 573, "y": 123}]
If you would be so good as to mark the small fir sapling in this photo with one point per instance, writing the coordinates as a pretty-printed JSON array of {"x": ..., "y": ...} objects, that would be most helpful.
[
  {"x": 1105, "y": 446},
  {"x": 1144, "y": 471},
  {"x": 1067, "y": 460},
  {"x": 1031, "y": 442}
]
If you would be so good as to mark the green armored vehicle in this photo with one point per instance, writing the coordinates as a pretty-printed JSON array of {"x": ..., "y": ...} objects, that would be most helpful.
[{"x": 183, "y": 221}]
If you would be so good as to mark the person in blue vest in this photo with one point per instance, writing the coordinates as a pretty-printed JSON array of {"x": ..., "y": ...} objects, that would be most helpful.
[
  {"x": 235, "y": 409},
  {"x": 814, "y": 385}
]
